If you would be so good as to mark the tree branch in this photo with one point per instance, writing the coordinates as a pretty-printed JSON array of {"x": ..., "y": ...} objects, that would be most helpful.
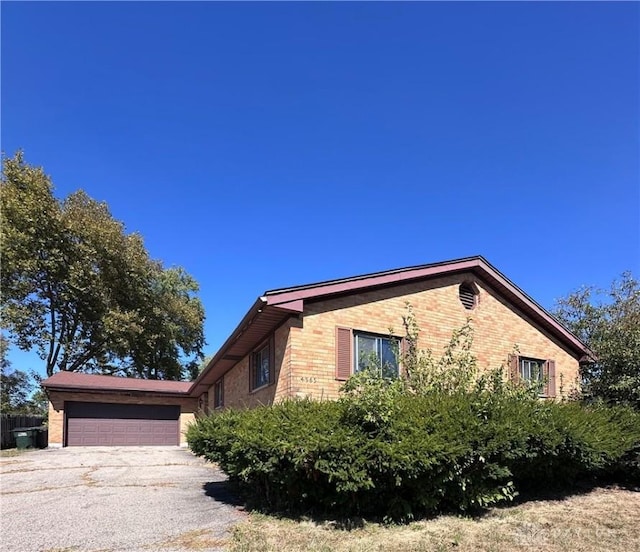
[
  {"x": 68, "y": 340},
  {"x": 52, "y": 339},
  {"x": 82, "y": 359}
]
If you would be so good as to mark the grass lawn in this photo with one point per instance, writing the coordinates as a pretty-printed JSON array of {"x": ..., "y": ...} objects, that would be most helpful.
[{"x": 604, "y": 519}]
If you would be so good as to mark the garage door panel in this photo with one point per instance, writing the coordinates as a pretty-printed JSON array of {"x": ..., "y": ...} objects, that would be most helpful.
[
  {"x": 121, "y": 411},
  {"x": 85, "y": 428}
]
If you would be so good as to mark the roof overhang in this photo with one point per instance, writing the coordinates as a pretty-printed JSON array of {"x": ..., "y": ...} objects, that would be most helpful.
[
  {"x": 118, "y": 391},
  {"x": 97, "y": 383},
  {"x": 276, "y": 306},
  {"x": 475, "y": 265},
  {"x": 257, "y": 324}
]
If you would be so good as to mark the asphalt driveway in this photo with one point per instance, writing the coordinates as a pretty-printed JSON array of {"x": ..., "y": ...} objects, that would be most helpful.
[{"x": 113, "y": 499}]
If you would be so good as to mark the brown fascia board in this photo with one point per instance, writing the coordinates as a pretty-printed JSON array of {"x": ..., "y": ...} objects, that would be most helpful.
[
  {"x": 259, "y": 311},
  {"x": 368, "y": 281},
  {"x": 478, "y": 265},
  {"x": 292, "y": 299},
  {"x": 240, "y": 329},
  {"x": 115, "y": 390},
  {"x": 519, "y": 298}
]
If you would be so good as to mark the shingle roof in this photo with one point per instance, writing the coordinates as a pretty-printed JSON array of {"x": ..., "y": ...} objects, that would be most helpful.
[{"x": 74, "y": 380}]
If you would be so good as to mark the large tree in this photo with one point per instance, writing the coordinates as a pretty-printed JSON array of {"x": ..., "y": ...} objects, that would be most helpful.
[
  {"x": 15, "y": 385},
  {"x": 608, "y": 321},
  {"x": 16, "y": 388},
  {"x": 84, "y": 293}
]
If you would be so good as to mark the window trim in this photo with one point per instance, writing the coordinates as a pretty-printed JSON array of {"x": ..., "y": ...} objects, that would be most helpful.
[
  {"x": 548, "y": 373},
  {"x": 218, "y": 385},
  {"x": 344, "y": 347},
  {"x": 267, "y": 345},
  {"x": 540, "y": 363},
  {"x": 361, "y": 333}
]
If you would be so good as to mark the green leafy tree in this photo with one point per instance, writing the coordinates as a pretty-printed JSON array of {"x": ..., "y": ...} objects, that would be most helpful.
[
  {"x": 174, "y": 322},
  {"x": 608, "y": 321},
  {"x": 16, "y": 388},
  {"x": 196, "y": 367},
  {"x": 85, "y": 294},
  {"x": 455, "y": 369}
]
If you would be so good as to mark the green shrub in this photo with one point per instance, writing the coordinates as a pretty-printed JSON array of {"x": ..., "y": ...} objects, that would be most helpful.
[
  {"x": 429, "y": 453},
  {"x": 444, "y": 437}
]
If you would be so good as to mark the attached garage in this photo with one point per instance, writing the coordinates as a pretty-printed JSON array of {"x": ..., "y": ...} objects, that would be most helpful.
[
  {"x": 103, "y": 424},
  {"x": 93, "y": 410}
]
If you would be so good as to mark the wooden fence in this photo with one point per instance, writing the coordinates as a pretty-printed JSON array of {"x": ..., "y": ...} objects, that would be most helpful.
[{"x": 12, "y": 421}]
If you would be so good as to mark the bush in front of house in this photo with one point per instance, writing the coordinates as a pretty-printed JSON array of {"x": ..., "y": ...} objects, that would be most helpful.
[
  {"x": 444, "y": 437},
  {"x": 414, "y": 454}
]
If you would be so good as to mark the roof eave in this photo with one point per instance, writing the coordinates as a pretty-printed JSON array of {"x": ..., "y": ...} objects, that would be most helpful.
[
  {"x": 257, "y": 324},
  {"x": 377, "y": 279},
  {"x": 290, "y": 301},
  {"x": 477, "y": 264},
  {"x": 240, "y": 328},
  {"x": 532, "y": 308},
  {"x": 103, "y": 390}
]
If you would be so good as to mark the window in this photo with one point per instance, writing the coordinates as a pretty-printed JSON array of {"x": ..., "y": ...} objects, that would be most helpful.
[
  {"x": 356, "y": 351},
  {"x": 531, "y": 370},
  {"x": 261, "y": 367},
  {"x": 534, "y": 371},
  {"x": 218, "y": 393},
  {"x": 378, "y": 353}
]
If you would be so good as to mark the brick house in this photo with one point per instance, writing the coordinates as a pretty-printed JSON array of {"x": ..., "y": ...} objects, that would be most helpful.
[{"x": 306, "y": 341}]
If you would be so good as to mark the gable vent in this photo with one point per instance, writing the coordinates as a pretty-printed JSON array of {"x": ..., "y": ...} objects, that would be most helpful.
[{"x": 468, "y": 295}]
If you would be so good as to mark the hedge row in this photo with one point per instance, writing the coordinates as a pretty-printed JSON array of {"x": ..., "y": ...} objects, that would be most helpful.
[{"x": 418, "y": 455}]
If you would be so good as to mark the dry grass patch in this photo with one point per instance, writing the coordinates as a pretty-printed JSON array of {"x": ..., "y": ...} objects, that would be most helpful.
[
  {"x": 601, "y": 520},
  {"x": 200, "y": 539},
  {"x": 12, "y": 452}
]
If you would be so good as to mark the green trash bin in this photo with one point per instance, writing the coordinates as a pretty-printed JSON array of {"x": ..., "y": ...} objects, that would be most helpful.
[
  {"x": 42, "y": 437},
  {"x": 25, "y": 437}
]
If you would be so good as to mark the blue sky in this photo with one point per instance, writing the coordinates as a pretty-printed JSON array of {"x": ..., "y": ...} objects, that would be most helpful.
[{"x": 263, "y": 145}]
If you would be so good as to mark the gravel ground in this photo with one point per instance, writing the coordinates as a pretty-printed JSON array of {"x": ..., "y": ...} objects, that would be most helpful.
[{"x": 113, "y": 499}]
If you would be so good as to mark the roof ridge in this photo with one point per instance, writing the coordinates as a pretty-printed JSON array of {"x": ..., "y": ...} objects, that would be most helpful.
[{"x": 374, "y": 274}]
